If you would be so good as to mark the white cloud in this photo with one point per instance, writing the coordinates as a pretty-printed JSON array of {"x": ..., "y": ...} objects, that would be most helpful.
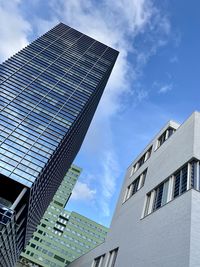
[
  {"x": 165, "y": 88},
  {"x": 14, "y": 29},
  {"x": 83, "y": 192},
  {"x": 108, "y": 181}
]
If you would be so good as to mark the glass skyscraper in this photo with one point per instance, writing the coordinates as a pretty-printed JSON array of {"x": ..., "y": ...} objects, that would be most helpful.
[{"x": 49, "y": 92}]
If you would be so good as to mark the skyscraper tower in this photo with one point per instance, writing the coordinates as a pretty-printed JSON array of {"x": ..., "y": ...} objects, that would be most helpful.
[{"x": 49, "y": 92}]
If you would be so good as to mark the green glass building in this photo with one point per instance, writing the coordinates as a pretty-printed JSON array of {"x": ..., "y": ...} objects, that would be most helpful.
[{"x": 62, "y": 236}]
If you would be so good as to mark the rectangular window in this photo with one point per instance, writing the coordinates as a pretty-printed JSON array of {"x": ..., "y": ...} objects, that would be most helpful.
[
  {"x": 59, "y": 258},
  {"x": 165, "y": 193},
  {"x": 112, "y": 258},
  {"x": 179, "y": 182},
  {"x": 176, "y": 184},
  {"x": 170, "y": 131},
  {"x": 194, "y": 178},
  {"x": 36, "y": 238},
  {"x": 142, "y": 178},
  {"x": 98, "y": 262},
  {"x": 58, "y": 203},
  {"x": 158, "y": 197},
  {"x": 161, "y": 195},
  {"x": 141, "y": 161},
  {"x": 137, "y": 184},
  {"x": 165, "y": 136},
  {"x": 148, "y": 153},
  {"x": 146, "y": 208}
]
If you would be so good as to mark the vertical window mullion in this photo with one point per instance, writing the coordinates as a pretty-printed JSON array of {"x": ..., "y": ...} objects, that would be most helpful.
[
  {"x": 146, "y": 156},
  {"x": 197, "y": 177},
  {"x": 189, "y": 185},
  {"x": 171, "y": 188},
  {"x": 167, "y": 135},
  {"x": 180, "y": 183},
  {"x": 107, "y": 260},
  {"x": 140, "y": 180},
  {"x": 126, "y": 195},
  {"x": 151, "y": 201},
  {"x": 146, "y": 205},
  {"x": 101, "y": 261},
  {"x": 176, "y": 184},
  {"x": 165, "y": 193},
  {"x": 112, "y": 254},
  {"x": 158, "y": 197},
  {"x": 184, "y": 179}
]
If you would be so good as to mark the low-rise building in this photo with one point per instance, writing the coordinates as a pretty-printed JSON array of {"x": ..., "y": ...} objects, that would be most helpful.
[{"x": 157, "y": 218}]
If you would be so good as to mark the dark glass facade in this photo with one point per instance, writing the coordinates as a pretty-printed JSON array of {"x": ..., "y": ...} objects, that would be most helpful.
[{"x": 49, "y": 92}]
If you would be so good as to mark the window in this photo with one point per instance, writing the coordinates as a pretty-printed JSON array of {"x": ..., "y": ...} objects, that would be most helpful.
[
  {"x": 36, "y": 238},
  {"x": 58, "y": 203},
  {"x": 165, "y": 193},
  {"x": 59, "y": 258},
  {"x": 158, "y": 197},
  {"x": 142, "y": 179},
  {"x": 141, "y": 161},
  {"x": 161, "y": 194},
  {"x": 165, "y": 136},
  {"x": 179, "y": 182},
  {"x": 112, "y": 258},
  {"x": 136, "y": 185},
  {"x": 195, "y": 175},
  {"x": 98, "y": 262},
  {"x": 147, "y": 204}
]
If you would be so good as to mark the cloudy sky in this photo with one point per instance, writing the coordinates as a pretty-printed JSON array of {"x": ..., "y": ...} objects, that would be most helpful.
[{"x": 156, "y": 78}]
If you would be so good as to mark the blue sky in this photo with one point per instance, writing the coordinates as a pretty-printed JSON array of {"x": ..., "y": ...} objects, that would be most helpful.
[{"x": 156, "y": 78}]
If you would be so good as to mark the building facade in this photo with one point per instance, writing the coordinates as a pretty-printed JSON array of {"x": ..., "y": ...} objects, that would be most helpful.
[
  {"x": 49, "y": 92},
  {"x": 156, "y": 222},
  {"x": 62, "y": 236},
  {"x": 61, "y": 242}
]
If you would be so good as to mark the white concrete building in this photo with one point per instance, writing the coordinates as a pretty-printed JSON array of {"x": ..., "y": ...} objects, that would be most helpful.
[{"x": 157, "y": 218}]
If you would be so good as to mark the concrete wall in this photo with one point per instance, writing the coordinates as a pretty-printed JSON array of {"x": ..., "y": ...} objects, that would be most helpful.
[
  {"x": 162, "y": 239},
  {"x": 195, "y": 230}
]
